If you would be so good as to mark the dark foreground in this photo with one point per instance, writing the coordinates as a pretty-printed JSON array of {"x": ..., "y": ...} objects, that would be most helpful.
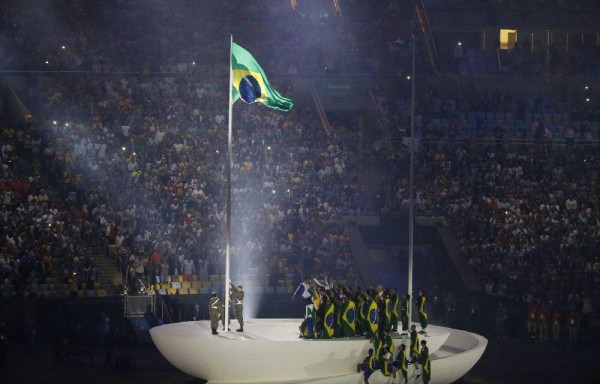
[{"x": 505, "y": 361}]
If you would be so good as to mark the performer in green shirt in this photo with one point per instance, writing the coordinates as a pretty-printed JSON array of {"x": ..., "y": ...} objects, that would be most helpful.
[
  {"x": 363, "y": 311},
  {"x": 401, "y": 364},
  {"x": 404, "y": 315},
  {"x": 422, "y": 311},
  {"x": 368, "y": 366},
  {"x": 425, "y": 362},
  {"x": 414, "y": 348},
  {"x": 386, "y": 362},
  {"x": 385, "y": 310},
  {"x": 394, "y": 310}
]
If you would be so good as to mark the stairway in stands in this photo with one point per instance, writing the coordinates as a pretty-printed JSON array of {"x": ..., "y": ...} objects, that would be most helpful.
[{"x": 109, "y": 275}]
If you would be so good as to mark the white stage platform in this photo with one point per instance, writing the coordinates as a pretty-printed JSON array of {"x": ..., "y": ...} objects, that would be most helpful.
[{"x": 270, "y": 351}]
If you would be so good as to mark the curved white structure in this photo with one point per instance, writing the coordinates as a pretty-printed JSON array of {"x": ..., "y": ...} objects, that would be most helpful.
[{"x": 271, "y": 352}]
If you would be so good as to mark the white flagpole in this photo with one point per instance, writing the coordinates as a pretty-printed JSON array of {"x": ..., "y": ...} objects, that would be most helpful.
[
  {"x": 411, "y": 209},
  {"x": 229, "y": 164}
]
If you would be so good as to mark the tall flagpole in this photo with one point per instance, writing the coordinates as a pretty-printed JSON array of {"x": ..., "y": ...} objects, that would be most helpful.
[
  {"x": 411, "y": 206},
  {"x": 229, "y": 164}
]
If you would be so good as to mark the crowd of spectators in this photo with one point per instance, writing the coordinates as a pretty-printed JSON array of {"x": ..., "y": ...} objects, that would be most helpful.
[
  {"x": 150, "y": 168},
  {"x": 42, "y": 236},
  {"x": 140, "y": 159}
]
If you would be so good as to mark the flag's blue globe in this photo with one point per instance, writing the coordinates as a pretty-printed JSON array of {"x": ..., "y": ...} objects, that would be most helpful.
[
  {"x": 249, "y": 89},
  {"x": 373, "y": 316},
  {"x": 329, "y": 320},
  {"x": 351, "y": 315}
]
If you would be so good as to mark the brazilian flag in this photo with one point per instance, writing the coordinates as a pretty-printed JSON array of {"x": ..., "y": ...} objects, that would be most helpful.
[
  {"x": 250, "y": 83},
  {"x": 349, "y": 319},
  {"x": 373, "y": 319},
  {"x": 329, "y": 321}
]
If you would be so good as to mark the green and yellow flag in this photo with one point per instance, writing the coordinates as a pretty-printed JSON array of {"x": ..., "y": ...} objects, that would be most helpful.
[
  {"x": 373, "y": 319},
  {"x": 250, "y": 83},
  {"x": 349, "y": 319}
]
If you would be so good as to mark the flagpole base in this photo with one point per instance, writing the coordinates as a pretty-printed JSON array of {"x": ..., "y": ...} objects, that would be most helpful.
[{"x": 269, "y": 351}]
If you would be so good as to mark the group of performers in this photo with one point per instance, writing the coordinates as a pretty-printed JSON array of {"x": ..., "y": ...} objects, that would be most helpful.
[
  {"x": 374, "y": 313},
  {"x": 343, "y": 312}
]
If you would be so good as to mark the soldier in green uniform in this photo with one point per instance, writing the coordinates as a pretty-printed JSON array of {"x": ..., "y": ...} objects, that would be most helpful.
[
  {"x": 214, "y": 309},
  {"x": 237, "y": 296}
]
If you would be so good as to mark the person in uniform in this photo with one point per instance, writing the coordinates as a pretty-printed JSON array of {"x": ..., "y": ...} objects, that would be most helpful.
[
  {"x": 404, "y": 315},
  {"x": 385, "y": 310},
  {"x": 425, "y": 362},
  {"x": 386, "y": 362},
  {"x": 401, "y": 364},
  {"x": 422, "y": 311},
  {"x": 384, "y": 340},
  {"x": 363, "y": 310},
  {"x": 214, "y": 309},
  {"x": 237, "y": 295},
  {"x": 414, "y": 348},
  {"x": 368, "y": 366},
  {"x": 394, "y": 312}
]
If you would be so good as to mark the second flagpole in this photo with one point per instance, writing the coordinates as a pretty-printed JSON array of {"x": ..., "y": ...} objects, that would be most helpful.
[{"x": 228, "y": 203}]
